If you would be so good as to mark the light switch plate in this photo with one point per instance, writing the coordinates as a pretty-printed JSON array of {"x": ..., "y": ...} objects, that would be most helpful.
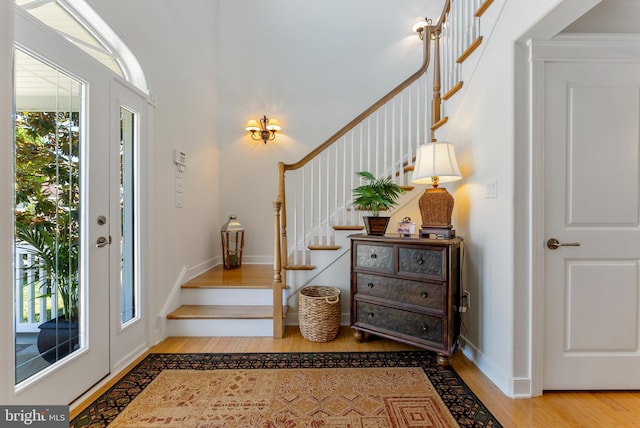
[{"x": 491, "y": 188}]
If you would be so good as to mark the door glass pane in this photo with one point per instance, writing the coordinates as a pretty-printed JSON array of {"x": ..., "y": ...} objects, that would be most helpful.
[
  {"x": 127, "y": 276},
  {"x": 47, "y": 212}
]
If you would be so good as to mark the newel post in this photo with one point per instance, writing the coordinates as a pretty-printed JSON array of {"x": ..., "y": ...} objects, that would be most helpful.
[
  {"x": 278, "y": 319},
  {"x": 437, "y": 101}
]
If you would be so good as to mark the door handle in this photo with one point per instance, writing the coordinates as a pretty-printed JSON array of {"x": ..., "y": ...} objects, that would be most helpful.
[
  {"x": 102, "y": 241},
  {"x": 553, "y": 244}
]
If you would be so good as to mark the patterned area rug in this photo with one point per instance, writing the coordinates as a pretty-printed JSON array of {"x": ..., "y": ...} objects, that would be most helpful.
[{"x": 373, "y": 389}]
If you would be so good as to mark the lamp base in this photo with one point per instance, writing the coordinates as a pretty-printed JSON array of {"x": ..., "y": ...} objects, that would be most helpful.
[
  {"x": 437, "y": 233},
  {"x": 436, "y": 207}
]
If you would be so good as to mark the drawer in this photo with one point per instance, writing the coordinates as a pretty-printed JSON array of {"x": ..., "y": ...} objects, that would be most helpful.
[
  {"x": 418, "y": 326},
  {"x": 428, "y": 295},
  {"x": 374, "y": 257},
  {"x": 426, "y": 262}
]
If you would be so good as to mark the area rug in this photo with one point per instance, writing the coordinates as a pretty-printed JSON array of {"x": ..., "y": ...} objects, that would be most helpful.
[{"x": 372, "y": 389}]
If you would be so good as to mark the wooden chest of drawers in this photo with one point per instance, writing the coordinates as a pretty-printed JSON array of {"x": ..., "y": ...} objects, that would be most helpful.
[{"x": 407, "y": 289}]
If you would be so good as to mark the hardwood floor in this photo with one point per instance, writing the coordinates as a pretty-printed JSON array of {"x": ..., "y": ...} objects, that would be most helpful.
[{"x": 602, "y": 409}]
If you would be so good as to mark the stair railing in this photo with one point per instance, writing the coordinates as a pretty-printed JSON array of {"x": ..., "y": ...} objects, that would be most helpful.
[
  {"x": 459, "y": 35},
  {"x": 315, "y": 193}
]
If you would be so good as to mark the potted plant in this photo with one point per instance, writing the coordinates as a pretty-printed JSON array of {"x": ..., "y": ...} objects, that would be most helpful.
[
  {"x": 57, "y": 262},
  {"x": 378, "y": 194},
  {"x": 47, "y": 225}
]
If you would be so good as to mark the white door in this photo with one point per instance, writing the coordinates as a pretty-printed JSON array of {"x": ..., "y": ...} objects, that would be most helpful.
[
  {"x": 592, "y": 208},
  {"x": 53, "y": 80},
  {"x": 128, "y": 325}
]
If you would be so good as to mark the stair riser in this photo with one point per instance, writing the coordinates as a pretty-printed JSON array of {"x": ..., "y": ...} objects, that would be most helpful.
[
  {"x": 223, "y": 296},
  {"x": 221, "y": 327}
]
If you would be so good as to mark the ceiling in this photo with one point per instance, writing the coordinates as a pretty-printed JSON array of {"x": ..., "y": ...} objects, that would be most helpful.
[
  {"x": 42, "y": 88},
  {"x": 609, "y": 16}
]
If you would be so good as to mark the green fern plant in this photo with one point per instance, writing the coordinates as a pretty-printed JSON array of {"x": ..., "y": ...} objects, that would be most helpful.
[{"x": 377, "y": 194}]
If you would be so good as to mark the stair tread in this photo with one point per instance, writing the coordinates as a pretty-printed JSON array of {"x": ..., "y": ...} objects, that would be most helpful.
[
  {"x": 483, "y": 8},
  {"x": 222, "y": 312},
  {"x": 472, "y": 47},
  {"x": 454, "y": 89},
  {"x": 347, "y": 227},
  {"x": 246, "y": 276},
  {"x": 323, "y": 247},
  {"x": 439, "y": 123},
  {"x": 300, "y": 267}
]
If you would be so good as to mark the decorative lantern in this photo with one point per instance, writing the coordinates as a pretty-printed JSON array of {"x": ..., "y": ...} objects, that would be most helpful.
[{"x": 232, "y": 235}]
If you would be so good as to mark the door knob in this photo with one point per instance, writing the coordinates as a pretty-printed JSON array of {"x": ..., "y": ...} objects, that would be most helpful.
[
  {"x": 553, "y": 244},
  {"x": 102, "y": 241}
]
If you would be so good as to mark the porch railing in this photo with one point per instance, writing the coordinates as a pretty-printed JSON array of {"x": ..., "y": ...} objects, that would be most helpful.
[
  {"x": 315, "y": 193},
  {"x": 33, "y": 304}
]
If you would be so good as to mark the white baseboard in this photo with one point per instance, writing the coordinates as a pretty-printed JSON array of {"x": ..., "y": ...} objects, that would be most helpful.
[{"x": 510, "y": 386}]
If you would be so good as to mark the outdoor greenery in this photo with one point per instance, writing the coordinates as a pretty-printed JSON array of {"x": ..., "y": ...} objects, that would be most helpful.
[
  {"x": 377, "y": 195},
  {"x": 47, "y": 202}
]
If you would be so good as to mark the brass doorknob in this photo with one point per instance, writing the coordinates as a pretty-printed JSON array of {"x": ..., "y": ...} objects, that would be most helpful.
[
  {"x": 102, "y": 241},
  {"x": 553, "y": 244}
]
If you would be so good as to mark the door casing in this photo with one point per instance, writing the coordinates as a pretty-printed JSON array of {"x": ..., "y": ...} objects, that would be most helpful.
[{"x": 586, "y": 47}]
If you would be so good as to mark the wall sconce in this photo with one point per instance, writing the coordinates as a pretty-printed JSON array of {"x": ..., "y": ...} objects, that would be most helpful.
[
  {"x": 264, "y": 131},
  {"x": 420, "y": 25}
]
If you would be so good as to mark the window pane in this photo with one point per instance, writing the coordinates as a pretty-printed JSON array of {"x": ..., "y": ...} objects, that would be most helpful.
[
  {"x": 127, "y": 276},
  {"x": 46, "y": 206},
  {"x": 55, "y": 16}
]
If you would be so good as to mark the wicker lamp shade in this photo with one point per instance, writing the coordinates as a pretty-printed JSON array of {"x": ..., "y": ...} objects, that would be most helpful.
[{"x": 436, "y": 163}]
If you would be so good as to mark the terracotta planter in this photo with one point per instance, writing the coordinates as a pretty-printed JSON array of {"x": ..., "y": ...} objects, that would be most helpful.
[{"x": 376, "y": 225}]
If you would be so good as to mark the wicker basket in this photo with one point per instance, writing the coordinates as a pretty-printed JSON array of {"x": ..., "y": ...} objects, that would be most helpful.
[{"x": 319, "y": 313}]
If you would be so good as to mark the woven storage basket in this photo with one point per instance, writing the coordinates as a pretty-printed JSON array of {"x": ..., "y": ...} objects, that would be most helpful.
[{"x": 319, "y": 313}]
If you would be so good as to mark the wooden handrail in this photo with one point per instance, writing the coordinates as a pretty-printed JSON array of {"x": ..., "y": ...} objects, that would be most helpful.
[{"x": 349, "y": 126}]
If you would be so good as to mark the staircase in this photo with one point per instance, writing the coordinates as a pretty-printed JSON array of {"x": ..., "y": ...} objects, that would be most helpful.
[
  {"x": 220, "y": 302},
  {"x": 313, "y": 210}
]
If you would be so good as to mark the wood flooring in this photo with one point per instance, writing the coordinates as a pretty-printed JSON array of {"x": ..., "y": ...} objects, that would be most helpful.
[{"x": 602, "y": 409}]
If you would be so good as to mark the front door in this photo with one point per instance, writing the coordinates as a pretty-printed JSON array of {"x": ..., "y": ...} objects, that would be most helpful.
[
  {"x": 592, "y": 225},
  {"x": 62, "y": 230}
]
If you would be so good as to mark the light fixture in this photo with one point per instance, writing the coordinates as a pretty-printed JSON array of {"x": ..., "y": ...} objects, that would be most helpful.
[
  {"x": 436, "y": 163},
  {"x": 420, "y": 25},
  {"x": 264, "y": 131}
]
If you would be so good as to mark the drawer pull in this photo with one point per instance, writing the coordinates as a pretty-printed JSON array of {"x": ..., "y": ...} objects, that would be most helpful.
[
  {"x": 374, "y": 256},
  {"x": 370, "y": 285},
  {"x": 371, "y": 315},
  {"x": 425, "y": 327},
  {"x": 424, "y": 294},
  {"x": 420, "y": 261}
]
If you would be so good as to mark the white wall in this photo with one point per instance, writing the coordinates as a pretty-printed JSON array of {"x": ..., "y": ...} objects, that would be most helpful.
[{"x": 176, "y": 45}]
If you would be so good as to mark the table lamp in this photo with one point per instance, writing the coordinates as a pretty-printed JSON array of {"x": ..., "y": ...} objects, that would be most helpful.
[{"x": 436, "y": 163}]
